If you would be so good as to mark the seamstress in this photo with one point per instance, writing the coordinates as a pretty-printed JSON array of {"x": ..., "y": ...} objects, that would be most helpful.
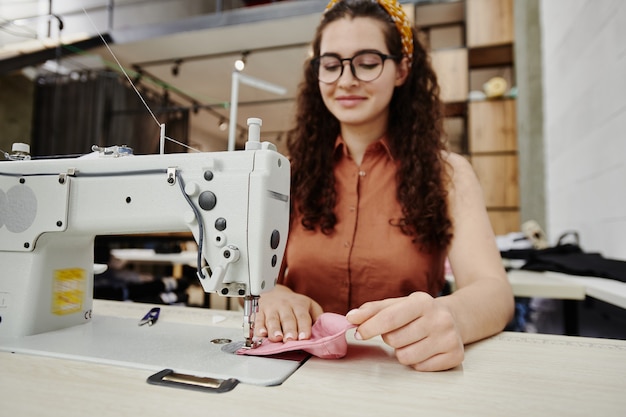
[{"x": 379, "y": 203}]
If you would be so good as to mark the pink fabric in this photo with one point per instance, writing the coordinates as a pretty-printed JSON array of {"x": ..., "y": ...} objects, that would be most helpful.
[{"x": 327, "y": 340}]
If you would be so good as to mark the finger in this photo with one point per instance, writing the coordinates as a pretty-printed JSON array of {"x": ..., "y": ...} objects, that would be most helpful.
[
  {"x": 290, "y": 322},
  {"x": 274, "y": 326},
  {"x": 316, "y": 311},
  {"x": 393, "y": 315},
  {"x": 368, "y": 310},
  {"x": 432, "y": 354},
  {"x": 406, "y": 335},
  {"x": 259, "y": 325},
  {"x": 440, "y": 362},
  {"x": 305, "y": 320},
  {"x": 296, "y": 323}
]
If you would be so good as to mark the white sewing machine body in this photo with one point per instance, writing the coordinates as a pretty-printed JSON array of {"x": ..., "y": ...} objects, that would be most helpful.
[{"x": 52, "y": 209}]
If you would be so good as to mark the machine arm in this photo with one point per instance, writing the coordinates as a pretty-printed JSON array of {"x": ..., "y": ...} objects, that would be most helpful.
[{"x": 236, "y": 204}]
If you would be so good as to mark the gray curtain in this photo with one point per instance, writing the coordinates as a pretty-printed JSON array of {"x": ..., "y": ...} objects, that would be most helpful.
[{"x": 72, "y": 113}]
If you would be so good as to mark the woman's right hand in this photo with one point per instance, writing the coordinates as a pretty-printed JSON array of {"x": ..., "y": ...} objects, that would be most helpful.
[{"x": 285, "y": 315}]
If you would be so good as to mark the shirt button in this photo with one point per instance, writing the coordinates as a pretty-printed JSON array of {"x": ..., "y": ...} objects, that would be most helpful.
[
  {"x": 352, "y": 208},
  {"x": 361, "y": 173},
  {"x": 346, "y": 244}
]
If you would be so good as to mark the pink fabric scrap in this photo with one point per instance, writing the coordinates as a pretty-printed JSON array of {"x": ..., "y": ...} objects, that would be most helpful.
[{"x": 327, "y": 340}]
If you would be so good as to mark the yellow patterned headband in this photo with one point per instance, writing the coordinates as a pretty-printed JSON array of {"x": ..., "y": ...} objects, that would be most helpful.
[{"x": 393, "y": 8}]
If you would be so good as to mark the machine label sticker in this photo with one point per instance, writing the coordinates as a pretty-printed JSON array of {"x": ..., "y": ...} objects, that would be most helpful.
[{"x": 68, "y": 291}]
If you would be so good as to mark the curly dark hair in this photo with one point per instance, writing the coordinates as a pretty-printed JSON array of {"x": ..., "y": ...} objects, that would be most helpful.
[{"x": 414, "y": 134}]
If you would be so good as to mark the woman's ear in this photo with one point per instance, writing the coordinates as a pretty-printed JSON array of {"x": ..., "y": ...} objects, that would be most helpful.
[{"x": 402, "y": 71}]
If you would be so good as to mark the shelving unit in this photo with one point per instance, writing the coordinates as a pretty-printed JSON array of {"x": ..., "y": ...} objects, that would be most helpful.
[{"x": 470, "y": 42}]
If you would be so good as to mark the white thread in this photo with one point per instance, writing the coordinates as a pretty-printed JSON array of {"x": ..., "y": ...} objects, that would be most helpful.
[
  {"x": 182, "y": 144},
  {"x": 121, "y": 67},
  {"x": 132, "y": 84}
]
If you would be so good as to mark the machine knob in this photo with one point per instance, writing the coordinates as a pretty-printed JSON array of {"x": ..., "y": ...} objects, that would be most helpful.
[
  {"x": 207, "y": 200},
  {"x": 275, "y": 239}
]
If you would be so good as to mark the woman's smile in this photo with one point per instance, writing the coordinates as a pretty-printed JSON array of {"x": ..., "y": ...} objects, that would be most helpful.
[{"x": 350, "y": 101}]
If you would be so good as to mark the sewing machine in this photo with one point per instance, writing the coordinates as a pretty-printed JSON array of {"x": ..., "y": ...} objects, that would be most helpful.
[{"x": 236, "y": 204}]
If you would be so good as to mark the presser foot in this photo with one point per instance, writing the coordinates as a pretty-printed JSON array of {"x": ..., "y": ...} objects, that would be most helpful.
[{"x": 252, "y": 343}]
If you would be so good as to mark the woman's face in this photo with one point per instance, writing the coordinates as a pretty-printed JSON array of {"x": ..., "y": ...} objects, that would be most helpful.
[{"x": 353, "y": 102}]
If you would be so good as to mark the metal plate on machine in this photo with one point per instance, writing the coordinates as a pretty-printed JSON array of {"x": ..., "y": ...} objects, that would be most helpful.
[
  {"x": 30, "y": 206},
  {"x": 186, "y": 348}
]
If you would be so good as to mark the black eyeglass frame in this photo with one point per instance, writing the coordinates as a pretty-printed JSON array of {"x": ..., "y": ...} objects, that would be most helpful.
[{"x": 315, "y": 63}]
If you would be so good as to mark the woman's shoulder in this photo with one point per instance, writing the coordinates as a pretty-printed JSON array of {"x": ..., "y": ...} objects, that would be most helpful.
[
  {"x": 456, "y": 165},
  {"x": 461, "y": 175}
]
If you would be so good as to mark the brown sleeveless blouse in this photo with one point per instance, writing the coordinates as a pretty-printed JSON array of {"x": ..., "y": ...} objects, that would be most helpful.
[{"x": 367, "y": 258}]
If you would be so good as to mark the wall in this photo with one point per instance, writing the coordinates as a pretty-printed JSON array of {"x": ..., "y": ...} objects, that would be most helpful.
[
  {"x": 584, "y": 67},
  {"x": 528, "y": 74}
]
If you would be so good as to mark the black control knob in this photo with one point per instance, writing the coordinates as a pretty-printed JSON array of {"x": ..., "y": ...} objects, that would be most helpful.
[
  {"x": 207, "y": 200},
  {"x": 220, "y": 224},
  {"x": 275, "y": 239}
]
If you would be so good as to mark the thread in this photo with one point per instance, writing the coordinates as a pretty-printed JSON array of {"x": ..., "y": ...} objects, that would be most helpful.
[{"x": 161, "y": 126}]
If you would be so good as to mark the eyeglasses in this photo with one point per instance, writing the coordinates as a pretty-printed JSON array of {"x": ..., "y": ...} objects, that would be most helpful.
[{"x": 366, "y": 66}]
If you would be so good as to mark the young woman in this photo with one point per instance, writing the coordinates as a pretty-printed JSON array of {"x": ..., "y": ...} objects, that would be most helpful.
[{"x": 379, "y": 204}]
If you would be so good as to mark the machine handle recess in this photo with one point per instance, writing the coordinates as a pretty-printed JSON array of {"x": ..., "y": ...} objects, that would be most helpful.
[{"x": 169, "y": 378}]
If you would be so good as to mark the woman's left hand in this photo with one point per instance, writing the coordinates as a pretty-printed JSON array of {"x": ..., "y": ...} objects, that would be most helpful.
[{"x": 422, "y": 330}]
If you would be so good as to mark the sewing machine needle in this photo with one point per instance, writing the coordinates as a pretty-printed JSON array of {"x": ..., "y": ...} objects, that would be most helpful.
[{"x": 250, "y": 308}]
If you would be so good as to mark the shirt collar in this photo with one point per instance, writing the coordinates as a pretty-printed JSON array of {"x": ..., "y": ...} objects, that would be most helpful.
[{"x": 380, "y": 145}]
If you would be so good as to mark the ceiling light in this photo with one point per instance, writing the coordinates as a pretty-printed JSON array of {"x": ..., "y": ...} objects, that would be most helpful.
[
  {"x": 240, "y": 64},
  {"x": 223, "y": 125}
]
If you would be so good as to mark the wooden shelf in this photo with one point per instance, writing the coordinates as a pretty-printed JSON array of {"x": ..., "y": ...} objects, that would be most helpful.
[
  {"x": 440, "y": 14},
  {"x": 452, "y": 72},
  {"x": 489, "y": 22},
  {"x": 498, "y": 175},
  {"x": 457, "y": 109},
  {"x": 492, "y": 126},
  {"x": 490, "y": 56},
  {"x": 471, "y": 41}
]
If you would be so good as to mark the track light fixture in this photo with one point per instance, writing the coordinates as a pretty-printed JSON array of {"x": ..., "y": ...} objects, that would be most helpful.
[
  {"x": 240, "y": 64},
  {"x": 25, "y": 21},
  {"x": 176, "y": 67}
]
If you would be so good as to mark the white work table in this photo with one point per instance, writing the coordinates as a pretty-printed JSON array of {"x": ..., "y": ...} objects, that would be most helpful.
[
  {"x": 570, "y": 288},
  {"x": 557, "y": 285},
  {"x": 507, "y": 375},
  {"x": 608, "y": 290},
  {"x": 545, "y": 285}
]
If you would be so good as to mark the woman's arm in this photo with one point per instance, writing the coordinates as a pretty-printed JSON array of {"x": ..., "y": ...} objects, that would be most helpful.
[
  {"x": 429, "y": 333},
  {"x": 483, "y": 303}
]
